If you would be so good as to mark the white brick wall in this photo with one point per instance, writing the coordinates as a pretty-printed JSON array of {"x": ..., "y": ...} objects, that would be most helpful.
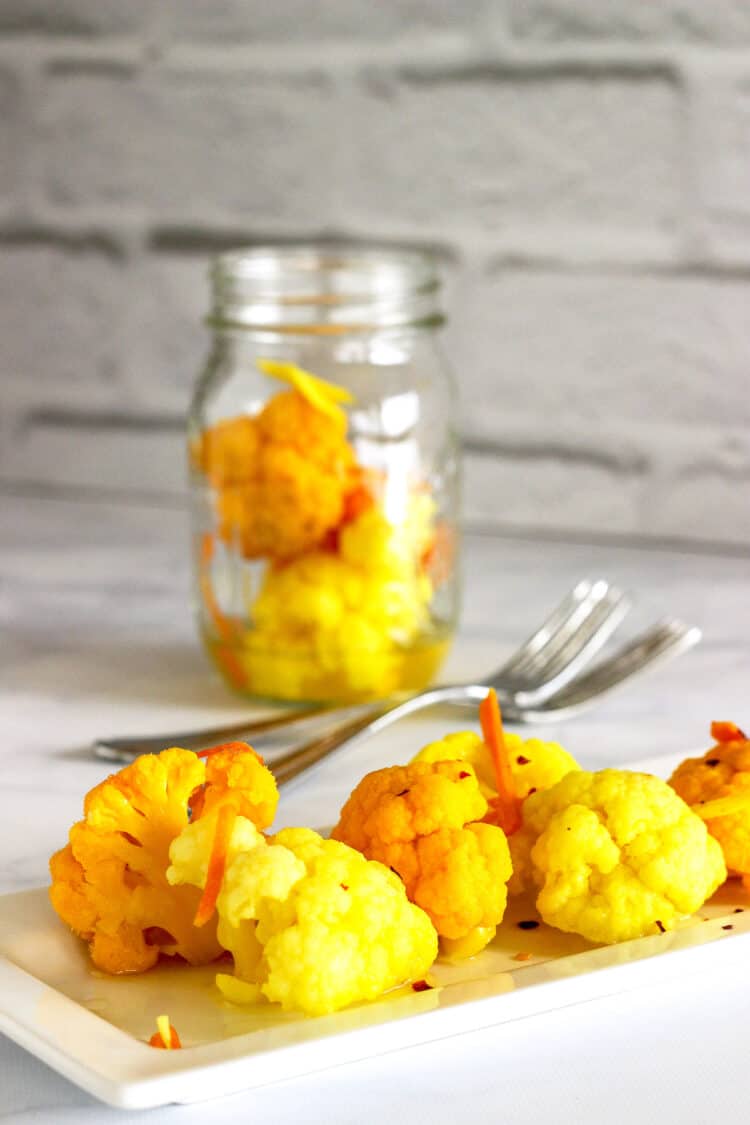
[
  {"x": 725, "y": 22},
  {"x": 508, "y": 150},
  {"x": 584, "y": 166}
]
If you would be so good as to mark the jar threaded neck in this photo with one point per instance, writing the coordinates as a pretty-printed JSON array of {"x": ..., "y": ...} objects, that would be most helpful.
[{"x": 325, "y": 289}]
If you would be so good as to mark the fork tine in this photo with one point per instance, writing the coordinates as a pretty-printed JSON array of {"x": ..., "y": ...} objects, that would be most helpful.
[
  {"x": 574, "y": 647},
  {"x": 529, "y": 656},
  {"x": 573, "y": 640},
  {"x": 568, "y": 607},
  {"x": 662, "y": 642},
  {"x": 665, "y": 640}
]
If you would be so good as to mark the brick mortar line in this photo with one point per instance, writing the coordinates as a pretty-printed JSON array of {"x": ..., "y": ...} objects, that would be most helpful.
[
  {"x": 178, "y": 501},
  {"x": 451, "y": 52},
  {"x": 142, "y": 235},
  {"x": 619, "y": 449}
]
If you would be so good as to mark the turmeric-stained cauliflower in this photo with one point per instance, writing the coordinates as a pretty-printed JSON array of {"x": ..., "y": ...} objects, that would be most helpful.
[
  {"x": 718, "y": 786},
  {"x": 420, "y": 820},
  {"x": 340, "y": 622},
  {"x": 109, "y": 883},
  {"x": 236, "y": 775},
  {"x": 614, "y": 855},
  {"x": 534, "y": 764},
  {"x": 311, "y": 924},
  {"x": 283, "y": 476}
]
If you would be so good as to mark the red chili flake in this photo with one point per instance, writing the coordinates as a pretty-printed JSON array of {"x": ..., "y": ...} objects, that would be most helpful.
[
  {"x": 712, "y": 762},
  {"x": 463, "y": 774},
  {"x": 729, "y": 926},
  {"x": 529, "y": 924},
  {"x": 739, "y": 910},
  {"x": 421, "y": 986},
  {"x": 344, "y": 886},
  {"x": 522, "y": 761},
  {"x": 402, "y": 793},
  {"x": 523, "y": 956},
  {"x": 662, "y": 927},
  {"x": 532, "y": 790}
]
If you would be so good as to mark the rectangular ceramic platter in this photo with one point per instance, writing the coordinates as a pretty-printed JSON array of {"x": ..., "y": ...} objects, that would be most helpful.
[{"x": 93, "y": 1028}]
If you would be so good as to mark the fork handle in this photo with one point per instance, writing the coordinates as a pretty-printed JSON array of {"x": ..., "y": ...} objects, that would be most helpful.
[
  {"x": 127, "y": 749},
  {"x": 303, "y": 758}
]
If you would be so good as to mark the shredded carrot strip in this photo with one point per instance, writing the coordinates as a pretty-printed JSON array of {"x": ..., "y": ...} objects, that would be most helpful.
[
  {"x": 224, "y": 626},
  {"x": 165, "y": 1037},
  {"x": 506, "y": 804},
  {"x": 216, "y": 864},
  {"x": 727, "y": 732}
]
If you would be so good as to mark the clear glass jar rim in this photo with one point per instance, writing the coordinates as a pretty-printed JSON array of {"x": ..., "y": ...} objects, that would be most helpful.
[{"x": 306, "y": 286}]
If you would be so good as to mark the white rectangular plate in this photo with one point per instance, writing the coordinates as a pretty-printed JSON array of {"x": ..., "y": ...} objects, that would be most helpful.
[{"x": 94, "y": 1029}]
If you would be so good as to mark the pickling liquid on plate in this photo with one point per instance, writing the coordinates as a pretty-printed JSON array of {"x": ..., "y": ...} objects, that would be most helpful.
[{"x": 524, "y": 951}]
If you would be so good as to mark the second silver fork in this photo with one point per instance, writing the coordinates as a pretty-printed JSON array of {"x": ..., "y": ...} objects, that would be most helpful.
[{"x": 554, "y": 655}]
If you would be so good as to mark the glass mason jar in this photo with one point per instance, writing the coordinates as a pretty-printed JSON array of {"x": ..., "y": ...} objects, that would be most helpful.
[{"x": 324, "y": 474}]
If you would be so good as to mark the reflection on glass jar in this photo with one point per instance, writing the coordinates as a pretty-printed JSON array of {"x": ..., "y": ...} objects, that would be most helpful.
[{"x": 324, "y": 474}]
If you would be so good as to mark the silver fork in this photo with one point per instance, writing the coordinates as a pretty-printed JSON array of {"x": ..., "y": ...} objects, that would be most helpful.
[
  {"x": 569, "y": 638},
  {"x": 658, "y": 644}
]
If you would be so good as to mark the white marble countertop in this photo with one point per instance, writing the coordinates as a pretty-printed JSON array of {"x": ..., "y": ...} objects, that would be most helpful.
[{"x": 97, "y": 637}]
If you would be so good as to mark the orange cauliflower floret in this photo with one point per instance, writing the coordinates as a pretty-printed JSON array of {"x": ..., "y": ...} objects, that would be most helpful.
[
  {"x": 228, "y": 451},
  {"x": 236, "y": 775},
  {"x": 109, "y": 883},
  {"x": 419, "y": 821},
  {"x": 718, "y": 786},
  {"x": 284, "y": 476},
  {"x": 614, "y": 855}
]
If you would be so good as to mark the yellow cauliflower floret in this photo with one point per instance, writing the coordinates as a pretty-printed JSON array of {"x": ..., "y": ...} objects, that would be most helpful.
[
  {"x": 339, "y": 616},
  {"x": 418, "y": 820},
  {"x": 534, "y": 764},
  {"x": 109, "y": 883},
  {"x": 722, "y": 772},
  {"x": 311, "y": 924},
  {"x": 615, "y": 855},
  {"x": 373, "y": 542},
  {"x": 189, "y": 852}
]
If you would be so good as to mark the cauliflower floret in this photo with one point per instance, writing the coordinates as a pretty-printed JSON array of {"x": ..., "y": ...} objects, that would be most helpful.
[
  {"x": 720, "y": 780},
  {"x": 341, "y": 618},
  {"x": 109, "y": 883},
  {"x": 534, "y": 764},
  {"x": 614, "y": 855},
  {"x": 285, "y": 476},
  {"x": 311, "y": 924},
  {"x": 418, "y": 820},
  {"x": 235, "y": 774},
  {"x": 227, "y": 452}
]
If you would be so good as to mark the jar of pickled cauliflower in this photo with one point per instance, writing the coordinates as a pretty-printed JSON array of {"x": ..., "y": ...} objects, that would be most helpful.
[{"x": 324, "y": 474}]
